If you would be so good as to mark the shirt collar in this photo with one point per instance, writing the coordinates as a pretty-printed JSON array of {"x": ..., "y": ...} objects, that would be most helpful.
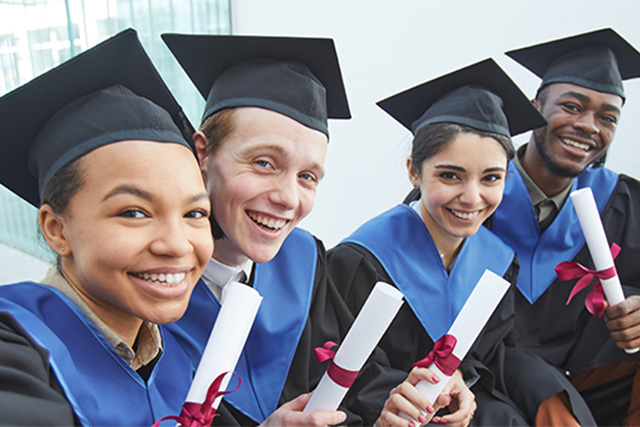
[
  {"x": 148, "y": 341},
  {"x": 536, "y": 194},
  {"x": 217, "y": 275}
]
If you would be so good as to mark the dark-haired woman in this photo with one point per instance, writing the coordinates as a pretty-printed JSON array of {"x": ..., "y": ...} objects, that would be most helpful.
[{"x": 436, "y": 249}]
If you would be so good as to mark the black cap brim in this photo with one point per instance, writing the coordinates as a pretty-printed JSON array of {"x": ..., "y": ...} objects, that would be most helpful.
[
  {"x": 205, "y": 57},
  {"x": 407, "y": 106},
  {"x": 24, "y": 111}
]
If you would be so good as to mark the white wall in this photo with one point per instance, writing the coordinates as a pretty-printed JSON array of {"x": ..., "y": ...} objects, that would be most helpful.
[
  {"x": 19, "y": 266},
  {"x": 387, "y": 46}
]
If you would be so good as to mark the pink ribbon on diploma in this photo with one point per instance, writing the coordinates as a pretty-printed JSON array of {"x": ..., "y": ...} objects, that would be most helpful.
[
  {"x": 594, "y": 300},
  {"x": 339, "y": 375},
  {"x": 200, "y": 414},
  {"x": 442, "y": 355}
]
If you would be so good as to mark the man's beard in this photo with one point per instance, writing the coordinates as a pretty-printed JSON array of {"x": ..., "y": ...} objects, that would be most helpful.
[{"x": 549, "y": 162}]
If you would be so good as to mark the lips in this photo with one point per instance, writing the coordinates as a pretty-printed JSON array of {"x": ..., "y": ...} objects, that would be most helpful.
[
  {"x": 575, "y": 144},
  {"x": 269, "y": 223},
  {"x": 162, "y": 279},
  {"x": 464, "y": 215}
]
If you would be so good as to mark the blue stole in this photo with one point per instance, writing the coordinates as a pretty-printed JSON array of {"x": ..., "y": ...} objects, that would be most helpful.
[
  {"x": 538, "y": 253},
  {"x": 286, "y": 285},
  {"x": 100, "y": 386},
  {"x": 401, "y": 242}
]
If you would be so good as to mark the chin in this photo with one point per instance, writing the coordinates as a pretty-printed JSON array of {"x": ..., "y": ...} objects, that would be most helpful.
[
  {"x": 168, "y": 315},
  {"x": 466, "y": 232},
  {"x": 264, "y": 256}
]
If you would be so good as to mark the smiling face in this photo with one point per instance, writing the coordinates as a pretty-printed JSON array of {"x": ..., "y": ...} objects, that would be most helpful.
[
  {"x": 581, "y": 126},
  {"x": 262, "y": 181},
  {"x": 461, "y": 187},
  {"x": 135, "y": 238}
]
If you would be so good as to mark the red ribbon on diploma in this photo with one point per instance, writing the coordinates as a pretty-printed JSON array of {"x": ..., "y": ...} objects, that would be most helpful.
[
  {"x": 200, "y": 414},
  {"x": 339, "y": 375},
  {"x": 594, "y": 301},
  {"x": 442, "y": 355}
]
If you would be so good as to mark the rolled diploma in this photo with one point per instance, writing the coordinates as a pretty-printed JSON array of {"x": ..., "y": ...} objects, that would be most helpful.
[
  {"x": 593, "y": 230},
  {"x": 226, "y": 341},
  {"x": 367, "y": 329},
  {"x": 470, "y": 320}
]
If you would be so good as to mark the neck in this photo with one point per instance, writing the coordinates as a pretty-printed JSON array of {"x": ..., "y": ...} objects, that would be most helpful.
[
  {"x": 448, "y": 246},
  {"x": 550, "y": 183},
  {"x": 124, "y": 324},
  {"x": 448, "y": 256},
  {"x": 226, "y": 253}
]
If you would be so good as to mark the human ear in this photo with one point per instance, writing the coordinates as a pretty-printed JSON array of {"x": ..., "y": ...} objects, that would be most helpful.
[
  {"x": 413, "y": 173},
  {"x": 536, "y": 104},
  {"x": 200, "y": 141},
  {"x": 52, "y": 226}
]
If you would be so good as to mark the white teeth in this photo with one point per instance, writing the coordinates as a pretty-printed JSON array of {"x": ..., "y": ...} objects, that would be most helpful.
[
  {"x": 269, "y": 223},
  {"x": 162, "y": 278},
  {"x": 464, "y": 215},
  {"x": 575, "y": 144}
]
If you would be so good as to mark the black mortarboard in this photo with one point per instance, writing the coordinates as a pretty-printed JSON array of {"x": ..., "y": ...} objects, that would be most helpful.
[
  {"x": 294, "y": 76},
  {"x": 481, "y": 96},
  {"x": 598, "y": 60},
  {"x": 109, "y": 93}
]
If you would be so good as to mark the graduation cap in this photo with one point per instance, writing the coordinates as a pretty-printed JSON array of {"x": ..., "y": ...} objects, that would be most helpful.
[
  {"x": 294, "y": 76},
  {"x": 109, "y": 93},
  {"x": 481, "y": 96},
  {"x": 598, "y": 60}
]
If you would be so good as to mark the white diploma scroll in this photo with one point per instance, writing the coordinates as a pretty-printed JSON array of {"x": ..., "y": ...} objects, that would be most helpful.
[
  {"x": 227, "y": 339},
  {"x": 593, "y": 230},
  {"x": 367, "y": 329},
  {"x": 470, "y": 320}
]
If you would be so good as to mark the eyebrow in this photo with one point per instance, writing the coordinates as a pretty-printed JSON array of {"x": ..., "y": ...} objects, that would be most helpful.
[
  {"x": 496, "y": 169},
  {"x": 127, "y": 189},
  {"x": 584, "y": 98},
  {"x": 198, "y": 197},
  {"x": 454, "y": 167},
  {"x": 461, "y": 169}
]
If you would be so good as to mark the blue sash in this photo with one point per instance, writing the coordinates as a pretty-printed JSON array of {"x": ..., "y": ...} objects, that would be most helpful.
[
  {"x": 286, "y": 285},
  {"x": 401, "y": 242},
  {"x": 100, "y": 386},
  {"x": 538, "y": 253}
]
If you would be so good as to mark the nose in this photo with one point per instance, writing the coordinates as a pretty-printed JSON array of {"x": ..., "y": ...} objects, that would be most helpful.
[
  {"x": 587, "y": 123},
  {"x": 171, "y": 239},
  {"x": 285, "y": 192},
  {"x": 470, "y": 195}
]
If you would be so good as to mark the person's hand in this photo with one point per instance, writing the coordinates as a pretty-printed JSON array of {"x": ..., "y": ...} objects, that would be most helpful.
[
  {"x": 290, "y": 414},
  {"x": 623, "y": 320},
  {"x": 463, "y": 403},
  {"x": 406, "y": 398}
]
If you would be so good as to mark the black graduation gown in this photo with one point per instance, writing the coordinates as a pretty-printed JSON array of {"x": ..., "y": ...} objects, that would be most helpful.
[
  {"x": 29, "y": 391},
  {"x": 328, "y": 319},
  {"x": 355, "y": 271},
  {"x": 568, "y": 336}
]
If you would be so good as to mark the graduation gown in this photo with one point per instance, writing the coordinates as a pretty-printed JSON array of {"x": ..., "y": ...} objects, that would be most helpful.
[
  {"x": 52, "y": 354},
  {"x": 397, "y": 248},
  {"x": 29, "y": 392},
  {"x": 301, "y": 310},
  {"x": 568, "y": 336}
]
